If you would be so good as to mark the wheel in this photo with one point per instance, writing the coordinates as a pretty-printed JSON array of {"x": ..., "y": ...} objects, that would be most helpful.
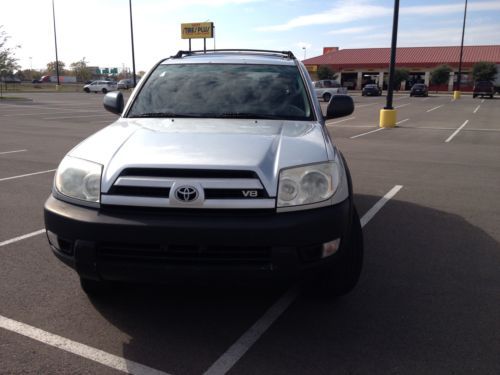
[
  {"x": 104, "y": 90},
  {"x": 344, "y": 274},
  {"x": 474, "y": 96},
  {"x": 86, "y": 89},
  {"x": 362, "y": 94},
  {"x": 327, "y": 96},
  {"x": 94, "y": 287},
  {"x": 491, "y": 96}
]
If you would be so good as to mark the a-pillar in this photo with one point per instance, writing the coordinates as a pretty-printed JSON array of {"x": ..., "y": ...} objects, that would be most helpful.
[
  {"x": 359, "y": 81},
  {"x": 451, "y": 81},
  {"x": 427, "y": 78}
]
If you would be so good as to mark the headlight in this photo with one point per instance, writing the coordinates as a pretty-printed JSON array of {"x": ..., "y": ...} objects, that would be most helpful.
[
  {"x": 308, "y": 184},
  {"x": 80, "y": 179}
]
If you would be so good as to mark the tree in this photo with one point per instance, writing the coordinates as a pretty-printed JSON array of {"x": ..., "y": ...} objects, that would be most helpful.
[
  {"x": 325, "y": 72},
  {"x": 81, "y": 70},
  {"x": 484, "y": 71},
  {"x": 400, "y": 75},
  {"x": 441, "y": 75},
  {"x": 51, "y": 68},
  {"x": 8, "y": 61}
]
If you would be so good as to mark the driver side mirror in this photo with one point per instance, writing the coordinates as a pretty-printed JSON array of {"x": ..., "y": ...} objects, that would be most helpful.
[
  {"x": 339, "y": 106},
  {"x": 113, "y": 102}
]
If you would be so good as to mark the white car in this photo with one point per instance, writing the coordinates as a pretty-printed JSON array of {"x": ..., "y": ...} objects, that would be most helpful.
[
  {"x": 326, "y": 88},
  {"x": 100, "y": 86}
]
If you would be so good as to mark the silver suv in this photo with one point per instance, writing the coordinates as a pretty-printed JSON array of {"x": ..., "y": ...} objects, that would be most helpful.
[{"x": 219, "y": 166}]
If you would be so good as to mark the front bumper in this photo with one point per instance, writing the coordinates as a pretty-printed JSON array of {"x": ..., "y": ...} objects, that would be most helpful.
[{"x": 140, "y": 245}]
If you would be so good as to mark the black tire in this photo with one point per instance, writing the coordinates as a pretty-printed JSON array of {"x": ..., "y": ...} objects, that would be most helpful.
[
  {"x": 362, "y": 94},
  {"x": 474, "y": 96},
  {"x": 327, "y": 96},
  {"x": 94, "y": 287},
  {"x": 344, "y": 274},
  {"x": 86, "y": 89},
  {"x": 491, "y": 96},
  {"x": 104, "y": 91}
]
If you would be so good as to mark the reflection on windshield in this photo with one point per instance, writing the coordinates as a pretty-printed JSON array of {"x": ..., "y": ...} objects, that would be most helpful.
[{"x": 224, "y": 91}]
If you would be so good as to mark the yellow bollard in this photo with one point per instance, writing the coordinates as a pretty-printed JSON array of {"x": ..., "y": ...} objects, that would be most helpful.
[
  {"x": 456, "y": 95},
  {"x": 388, "y": 118}
]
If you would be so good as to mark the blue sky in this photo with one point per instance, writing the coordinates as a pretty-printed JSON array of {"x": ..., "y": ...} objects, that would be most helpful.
[{"x": 99, "y": 29}]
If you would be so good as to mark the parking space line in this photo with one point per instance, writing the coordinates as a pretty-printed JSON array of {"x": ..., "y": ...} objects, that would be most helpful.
[
  {"x": 82, "y": 350},
  {"x": 364, "y": 105},
  {"x": 26, "y": 175},
  {"x": 400, "y": 122},
  {"x": 482, "y": 101},
  {"x": 11, "y": 152},
  {"x": 456, "y": 132},
  {"x": 401, "y": 105},
  {"x": 231, "y": 356},
  {"x": 339, "y": 121},
  {"x": 432, "y": 109},
  {"x": 362, "y": 134},
  {"x": 66, "y": 117},
  {"x": 477, "y": 108},
  {"x": 23, "y": 237}
]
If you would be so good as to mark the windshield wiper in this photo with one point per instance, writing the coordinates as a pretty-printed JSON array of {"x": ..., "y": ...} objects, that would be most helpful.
[
  {"x": 165, "y": 114},
  {"x": 247, "y": 115}
]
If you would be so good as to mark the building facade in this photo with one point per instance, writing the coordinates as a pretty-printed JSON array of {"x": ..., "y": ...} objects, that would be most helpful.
[{"x": 358, "y": 67}]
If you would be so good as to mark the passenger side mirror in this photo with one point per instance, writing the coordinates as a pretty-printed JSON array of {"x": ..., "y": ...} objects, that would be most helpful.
[
  {"x": 113, "y": 102},
  {"x": 339, "y": 106}
]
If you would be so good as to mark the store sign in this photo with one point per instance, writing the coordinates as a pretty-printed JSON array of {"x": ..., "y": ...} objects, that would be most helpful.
[{"x": 197, "y": 30}]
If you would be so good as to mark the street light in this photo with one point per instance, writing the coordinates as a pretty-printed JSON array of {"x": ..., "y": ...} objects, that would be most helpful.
[
  {"x": 456, "y": 93},
  {"x": 132, "y": 41},
  {"x": 55, "y": 42},
  {"x": 388, "y": 114},
  {"x": 304, "y": 48}
]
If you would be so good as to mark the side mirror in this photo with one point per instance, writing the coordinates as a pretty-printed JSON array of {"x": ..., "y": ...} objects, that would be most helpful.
[
  {"x": 339, "y": 106},
  {"x": 114, "y": 102}
]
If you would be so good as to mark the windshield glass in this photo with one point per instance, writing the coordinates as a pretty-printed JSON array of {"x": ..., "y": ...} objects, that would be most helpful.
[{"x": 224, "y": 90}]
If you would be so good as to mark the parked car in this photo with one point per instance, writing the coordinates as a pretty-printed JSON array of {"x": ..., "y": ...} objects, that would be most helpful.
[
  {"x": 371, "y": 90},
  {"x": 483, "y": 88},
  {"x": 100, "y": 86},
  {"x": 326, "y": 88},
  {"x": 125, "y": 83},
  {"x": 36, "y": 81},
  {"x": 419, "y": 89},
  {"x": 198, "y": 182}
]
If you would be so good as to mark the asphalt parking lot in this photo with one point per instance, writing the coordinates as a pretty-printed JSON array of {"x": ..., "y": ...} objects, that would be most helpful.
[{"x": 427, "y": 302}]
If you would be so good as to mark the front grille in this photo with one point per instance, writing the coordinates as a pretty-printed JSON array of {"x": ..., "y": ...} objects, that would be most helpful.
[
  {"x": 189, "y": 255},
  {"x": 145, "y": 191},
  {"x": 188, "y": 173}
]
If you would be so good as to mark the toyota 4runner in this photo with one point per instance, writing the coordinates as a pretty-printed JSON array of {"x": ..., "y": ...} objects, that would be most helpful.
[{"x": 219, "y": 165}]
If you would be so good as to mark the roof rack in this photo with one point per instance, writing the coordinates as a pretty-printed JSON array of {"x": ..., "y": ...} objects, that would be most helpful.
[{"x": 288, "y": 54}]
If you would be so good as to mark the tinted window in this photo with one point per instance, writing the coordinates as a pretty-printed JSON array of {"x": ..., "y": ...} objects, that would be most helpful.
[{"x": 224, "y": 90}]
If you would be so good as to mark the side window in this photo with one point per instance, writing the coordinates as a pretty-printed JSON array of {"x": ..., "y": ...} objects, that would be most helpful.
[
  {"x": 327, "y": 83},
  {"x": 318, "y": 84}
]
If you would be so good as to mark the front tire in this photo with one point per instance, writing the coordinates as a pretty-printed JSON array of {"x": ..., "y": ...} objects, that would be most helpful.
[
  {"x": 344, "y": 274},
  {"x": 86, "y": 89},
  {"x": 327, "y": 96},
  {"x": 104, "y": 91}
]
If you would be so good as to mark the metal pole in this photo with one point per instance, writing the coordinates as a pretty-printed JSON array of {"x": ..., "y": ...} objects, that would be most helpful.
[
  {"x": 304, "y": 48},
  {"x": 392, "y": 65},
  {"x": 132, "y": 42},
  {"x": 459, "y": 78},
  {"x": 55, "y": 42},
  {"x": 204, "y": 45},
  {"x": 189, "y": 44}
]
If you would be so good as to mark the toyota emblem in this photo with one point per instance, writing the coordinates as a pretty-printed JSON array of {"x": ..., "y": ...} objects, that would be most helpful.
[{"x": 186, "y": 193}]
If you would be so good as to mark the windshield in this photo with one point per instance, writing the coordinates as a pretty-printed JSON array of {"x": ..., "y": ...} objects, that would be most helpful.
[{"x": 224, "y": 90}]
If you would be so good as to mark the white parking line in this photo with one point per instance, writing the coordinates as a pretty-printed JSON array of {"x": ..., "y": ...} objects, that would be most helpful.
[
  {"x": 365, "y": 105},
  {"x": 26, "y": 175},
  {"x": 432, "y": 109},
  {"x": 339, "y": 121},
  {"x": 400, "y": 122},
  {"x": 11, "y": 152},
  {"x": 82, "y": 350},
  {"x": 456, "y": 131},
  {"x": 477, "y": 108},
  {"x": 482, "y": 101},
  {"x": 70, "y": 117},
  {"x": 23, "y": 237},
  {"x": 402, "y": 105},
  {"x": 229, "y": 358},
  {"x": 362, "y": 134}
]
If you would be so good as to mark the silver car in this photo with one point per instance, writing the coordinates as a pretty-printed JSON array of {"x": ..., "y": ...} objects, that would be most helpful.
[
  {"x": 100, "y": 86},
  {"x": 220, "y": 165},
  {"x": 327, "y": 88}
]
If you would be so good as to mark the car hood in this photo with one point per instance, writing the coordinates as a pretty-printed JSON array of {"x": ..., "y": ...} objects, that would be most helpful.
[{"x": 263, "y": 146}]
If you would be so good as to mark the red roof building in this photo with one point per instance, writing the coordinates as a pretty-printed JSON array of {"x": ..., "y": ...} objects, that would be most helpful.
[{"x": 357, "y": 67}]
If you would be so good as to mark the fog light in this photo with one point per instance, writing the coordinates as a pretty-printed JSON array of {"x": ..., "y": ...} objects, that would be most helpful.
[
  {"x": 330, "y": 248},
  {"x": 52, "y": 237}
]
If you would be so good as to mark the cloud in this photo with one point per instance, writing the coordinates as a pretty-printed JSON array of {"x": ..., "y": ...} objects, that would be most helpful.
[
  {"x": 355, "y": 11},
  {"x": 351, "y": 30}
]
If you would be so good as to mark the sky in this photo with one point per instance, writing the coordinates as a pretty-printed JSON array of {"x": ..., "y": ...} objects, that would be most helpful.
[{"x": 99, "y": 30}]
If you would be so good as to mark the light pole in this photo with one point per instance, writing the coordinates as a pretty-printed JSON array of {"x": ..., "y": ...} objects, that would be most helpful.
[
  {"x": 132, "y": 41},
  {"x": 55, "y": 42},
  {"x": 456, "y": 93},
  {"x": 304, "y": 48},
  {"x": 388, "y": 114}
]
